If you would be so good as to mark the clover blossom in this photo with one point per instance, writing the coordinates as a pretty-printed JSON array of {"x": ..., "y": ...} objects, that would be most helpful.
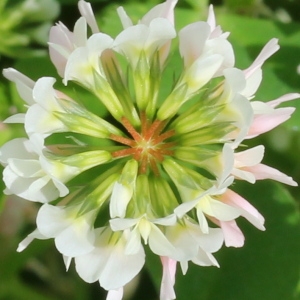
[{"x": 141, "y": 169}]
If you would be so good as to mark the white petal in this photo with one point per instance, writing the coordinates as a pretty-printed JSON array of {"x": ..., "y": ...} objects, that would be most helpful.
[
  {"x": 86, "y": 11},
  {"x": 17, "y": 118},
  {"x": 192, "y": 39},
  {"x": 34, "y": 235},
  {"x": 15, "y": 148},
  {"x": 24, "y": 84},
  {"x": 51, "y": 220},
  {"x": 249, "y": 157},
  {"x": 67, "y": 261},
  {"x": 75, "y": 240},
  {"x": 202, "y": 70},
  {"x": 121, "y": 268},
  {"x": 119, "y": 200},
  {"x": 121, "y": 224},
  {"x": 126, "y": 21},
  {"x": 115, "y": 294},
  {"x": 205, "y": 259},
  {"x": 159, "y": 244}
]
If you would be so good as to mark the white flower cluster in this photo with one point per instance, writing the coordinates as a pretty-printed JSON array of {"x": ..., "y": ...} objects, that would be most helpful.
[{"x": 156, "y": 176}]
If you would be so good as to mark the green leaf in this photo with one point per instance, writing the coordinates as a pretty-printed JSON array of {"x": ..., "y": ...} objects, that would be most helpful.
[{"x": 268, "y": 265}]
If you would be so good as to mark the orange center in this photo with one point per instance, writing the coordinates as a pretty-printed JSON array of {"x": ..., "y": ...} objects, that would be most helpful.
[{"x": 147, "y": 147}]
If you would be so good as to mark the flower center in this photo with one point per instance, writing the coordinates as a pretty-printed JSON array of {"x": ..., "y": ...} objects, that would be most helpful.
[{"x": 147, "y": 147}]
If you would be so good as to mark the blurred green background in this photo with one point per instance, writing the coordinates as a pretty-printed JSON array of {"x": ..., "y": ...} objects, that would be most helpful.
[{"x": 268, "y": 266}]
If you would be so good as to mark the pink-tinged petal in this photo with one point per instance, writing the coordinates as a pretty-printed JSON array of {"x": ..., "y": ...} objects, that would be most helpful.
[
  {"x": 168, "y": 279},
  {"x": 264, "y": 123},
  {"x": 243, "y": 175},
  {"x": 249, "y": 212},
  {"x": 268, "y": 50},
  {"x": 86, "y": 11},
  {"x": 60, "y": 46},
  {"x": 115, "y": 294},
  {"x": 62, "y": 42},
  {"x": 282, "y": 99},
  {"x": 232, "y": 234},
  {"x": 262, "y": 171}
]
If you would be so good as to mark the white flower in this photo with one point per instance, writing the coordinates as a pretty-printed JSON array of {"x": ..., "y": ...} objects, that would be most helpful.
[
  {"x": 247, "y": 166},
  {"x": 25, "y": 175},
  {"x": 109, "y": 259},
  {"x": 72, "y": 230},
  {"x": 149, "y": 231}
]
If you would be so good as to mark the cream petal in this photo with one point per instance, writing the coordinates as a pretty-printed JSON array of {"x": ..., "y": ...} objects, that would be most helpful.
[{"x": 249, "y": 157}]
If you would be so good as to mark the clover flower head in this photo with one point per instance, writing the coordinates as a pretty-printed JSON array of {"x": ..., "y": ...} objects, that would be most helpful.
[{"x": 144, "y": 165}]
